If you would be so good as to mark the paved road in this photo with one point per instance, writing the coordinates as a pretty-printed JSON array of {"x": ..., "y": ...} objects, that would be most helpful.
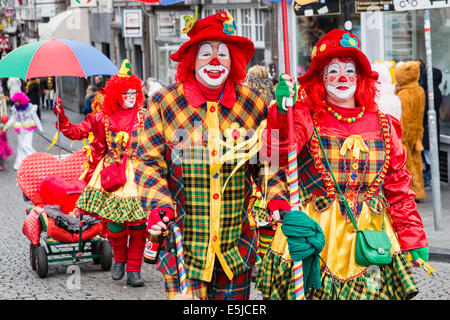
[{"x": 19, "y": 281}]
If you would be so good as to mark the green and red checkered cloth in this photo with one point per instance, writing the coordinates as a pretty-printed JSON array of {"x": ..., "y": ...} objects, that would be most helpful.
[{"x": 174, "y": 172}]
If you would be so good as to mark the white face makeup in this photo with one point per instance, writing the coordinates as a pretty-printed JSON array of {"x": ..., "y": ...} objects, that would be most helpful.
[
  {"x": 212, "y": 65},
  {"x": 129, "y": 98},
  {"x": 340, "y": 79}
]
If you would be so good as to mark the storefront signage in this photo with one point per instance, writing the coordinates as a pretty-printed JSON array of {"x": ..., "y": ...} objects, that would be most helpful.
[
  {"x": 374, "y": 5},
  {"x": 403, "y": 5},
  {"x": 309, "y": 8},
  {"x": 9, "y": 12},
  {"x": 132, "y": 23}
]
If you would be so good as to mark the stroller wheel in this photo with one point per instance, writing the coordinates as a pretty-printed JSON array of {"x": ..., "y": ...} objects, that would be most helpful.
[
  {"x": 106, "y": 255},
  {"x": 33, "y": 256},
  {"x": 95, "y": 249},
  {"x": 41, "y": 262}
]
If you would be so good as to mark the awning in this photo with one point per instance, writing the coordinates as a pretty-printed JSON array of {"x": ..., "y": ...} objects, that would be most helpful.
[{"x": 72, "y": 24}]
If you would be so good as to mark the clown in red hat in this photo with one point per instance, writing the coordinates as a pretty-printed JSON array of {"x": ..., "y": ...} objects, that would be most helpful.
[
  {"x": 352, "y": 177},
  {"x": 111, "y": 193},
  {"x": 199, "y": 136}
]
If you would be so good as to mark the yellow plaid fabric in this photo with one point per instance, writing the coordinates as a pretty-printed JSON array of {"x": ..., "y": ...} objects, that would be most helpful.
[{"x": 188, "y": 161}]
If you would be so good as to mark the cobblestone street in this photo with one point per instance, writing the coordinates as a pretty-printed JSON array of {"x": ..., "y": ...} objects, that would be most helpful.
[{"x": 19, "y": 281}]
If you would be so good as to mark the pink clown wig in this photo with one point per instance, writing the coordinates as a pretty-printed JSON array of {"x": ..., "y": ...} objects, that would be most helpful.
[{"x": 21, "y": 98}]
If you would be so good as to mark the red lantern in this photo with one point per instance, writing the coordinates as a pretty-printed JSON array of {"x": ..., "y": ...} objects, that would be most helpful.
[{"x": 4, "y": 119}]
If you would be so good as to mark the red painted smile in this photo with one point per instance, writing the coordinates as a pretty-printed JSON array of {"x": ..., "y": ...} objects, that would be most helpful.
[{"x": 214, "y": 74}]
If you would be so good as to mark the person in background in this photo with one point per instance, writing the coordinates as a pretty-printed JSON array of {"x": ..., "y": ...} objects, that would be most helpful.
[
  {"x": 5, "y": 149},
  {"x": 412, "y": 97},
  {"x": 14, "y": 85},
  {"x": 423, "y": 82},
  {"x": 152, "y": 85},
  {"x": 48, "y": 88},
  {"x": 25, "y": 121},
  {"x": 33, "y": 91},
  {"x": 90, "y": 94},
  {"x": 387, "y": 101},
  {"x": 99, "y": 84},
  {"x": 258, "y": 78}
]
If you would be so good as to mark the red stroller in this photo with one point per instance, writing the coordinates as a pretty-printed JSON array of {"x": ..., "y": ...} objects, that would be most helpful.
[{"x": 55, "y": 228}]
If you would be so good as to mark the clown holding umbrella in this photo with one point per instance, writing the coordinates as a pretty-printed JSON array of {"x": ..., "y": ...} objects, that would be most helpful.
[{"x": 194, "y": 152}]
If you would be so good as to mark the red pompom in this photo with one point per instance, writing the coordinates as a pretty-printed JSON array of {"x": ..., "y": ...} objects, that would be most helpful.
[{"x": 4, "y": 119}]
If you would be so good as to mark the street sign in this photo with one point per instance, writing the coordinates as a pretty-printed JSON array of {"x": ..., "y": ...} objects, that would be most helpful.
[
  {"x": 4, "y": 43},
  {"x": 309, "y": 8},
  {"x": 404, "y": 5},
  {"x": 374, "y": 5},
  {"x": 132, "y": 23}
]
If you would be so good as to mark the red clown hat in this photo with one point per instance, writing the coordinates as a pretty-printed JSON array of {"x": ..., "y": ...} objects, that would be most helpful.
[
  {"x": 220, "y": 27},
  {"x": 337, "y": 43}
]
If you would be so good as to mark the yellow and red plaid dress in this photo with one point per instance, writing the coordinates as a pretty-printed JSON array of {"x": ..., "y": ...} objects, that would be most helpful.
[{"x": 181, "y": 165}]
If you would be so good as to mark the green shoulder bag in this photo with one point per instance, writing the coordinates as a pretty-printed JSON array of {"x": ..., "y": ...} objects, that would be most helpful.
[{"x": 372, "y": 247}]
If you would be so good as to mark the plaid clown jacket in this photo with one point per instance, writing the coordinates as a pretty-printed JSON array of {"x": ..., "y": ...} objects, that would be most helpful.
[{"x": 199, "y": 161}]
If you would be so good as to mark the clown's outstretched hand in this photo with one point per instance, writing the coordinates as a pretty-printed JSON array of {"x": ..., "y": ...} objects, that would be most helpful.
[{"x": 287, "y": 87}]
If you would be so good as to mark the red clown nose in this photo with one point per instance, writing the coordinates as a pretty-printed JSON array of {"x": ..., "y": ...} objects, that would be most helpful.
[{"x": 215, "y": 62}]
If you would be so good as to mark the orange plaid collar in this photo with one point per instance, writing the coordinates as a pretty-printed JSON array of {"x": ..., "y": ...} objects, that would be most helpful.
[{"x": 196, "y": 98}]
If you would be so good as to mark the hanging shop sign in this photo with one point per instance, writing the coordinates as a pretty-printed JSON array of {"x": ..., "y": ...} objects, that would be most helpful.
[
  {"x": 132, "y": 23},
  {"x": 373, "y": 5},
  {"x": 404, "y": 5},
  {"x": 309, "y": 8}
]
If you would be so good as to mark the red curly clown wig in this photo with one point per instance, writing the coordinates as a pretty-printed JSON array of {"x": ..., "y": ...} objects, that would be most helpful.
[
  {"x": 315, "y": 91},
  {"x": 114, "y": 89},
  {"x": 186, "y": 67}
]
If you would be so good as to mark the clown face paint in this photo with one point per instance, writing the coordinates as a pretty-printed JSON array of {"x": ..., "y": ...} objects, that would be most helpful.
[
  {"x": 129, "y": 98},
  {"x": 212, "y": 65},
  {"x": 340, "y": 80}
]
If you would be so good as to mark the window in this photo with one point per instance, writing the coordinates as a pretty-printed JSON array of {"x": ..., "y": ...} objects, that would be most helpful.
[
  {"x": 250, "y": 22},
  {"x": 166, "y": 24},
  {"x": 400, "y": 36}
]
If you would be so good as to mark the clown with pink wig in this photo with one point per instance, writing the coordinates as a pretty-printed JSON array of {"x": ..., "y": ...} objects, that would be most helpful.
[{"x": 24, "y": 120}]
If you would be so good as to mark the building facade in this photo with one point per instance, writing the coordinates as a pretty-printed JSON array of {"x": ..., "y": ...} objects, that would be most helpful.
[{"x": 161, "y": 32}]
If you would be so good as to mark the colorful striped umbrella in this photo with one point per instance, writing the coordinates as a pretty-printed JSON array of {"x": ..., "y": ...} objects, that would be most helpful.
[{"x": 56, "y": 58}]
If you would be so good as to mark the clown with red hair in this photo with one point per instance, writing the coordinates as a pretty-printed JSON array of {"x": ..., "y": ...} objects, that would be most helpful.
[
  {"x": 194, "y": 152},
  {"x": 350, "y": 157},
  {"x": 114, "y": 128}
]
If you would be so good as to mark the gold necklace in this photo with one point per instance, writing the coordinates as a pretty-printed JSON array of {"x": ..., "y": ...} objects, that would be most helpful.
[{"x": 346, "y": 119}]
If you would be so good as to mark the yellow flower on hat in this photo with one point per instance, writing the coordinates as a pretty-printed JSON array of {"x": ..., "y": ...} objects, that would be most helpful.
[{"x": 189, "y": 21}]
